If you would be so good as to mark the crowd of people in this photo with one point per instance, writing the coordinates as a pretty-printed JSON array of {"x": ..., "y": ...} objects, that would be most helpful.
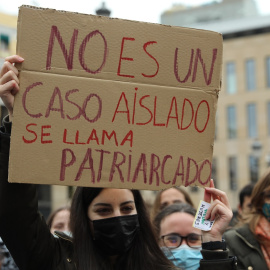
[{"x": 108, "y": 228}]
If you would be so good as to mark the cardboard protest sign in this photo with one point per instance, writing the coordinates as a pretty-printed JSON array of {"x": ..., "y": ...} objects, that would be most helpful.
[{"x": 106, "y": 102}]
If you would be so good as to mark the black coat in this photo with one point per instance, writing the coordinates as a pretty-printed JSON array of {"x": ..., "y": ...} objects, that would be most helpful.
[{"x": 23, "y": 229}]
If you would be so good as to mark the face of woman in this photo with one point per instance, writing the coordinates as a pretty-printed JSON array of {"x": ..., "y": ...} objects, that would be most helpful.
[
  {"x": 171, "y": 196},
  {"x": 179, "y": 223},
  {"x": 61, "y": 221},
  {"x": 112, "y": 203}
]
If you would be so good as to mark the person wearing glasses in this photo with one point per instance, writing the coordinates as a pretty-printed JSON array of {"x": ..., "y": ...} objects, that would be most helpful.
[
  {"x": 180, "y": 241},
  {"x": 189, "y": 248}
]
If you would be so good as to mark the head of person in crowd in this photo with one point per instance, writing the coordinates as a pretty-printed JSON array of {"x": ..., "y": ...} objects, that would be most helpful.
[
  {"x": 179, "y": 240},
  {"x": 170, "y": 196},
  {"x": 59, "y": 220},
  {"x": 244, "y": 206},
  {"x": 112, "y": 226},
  {"x": 258, "y": 221},
  {"x": 260, "y": 203},
  {"x": 245, "y": 199}
]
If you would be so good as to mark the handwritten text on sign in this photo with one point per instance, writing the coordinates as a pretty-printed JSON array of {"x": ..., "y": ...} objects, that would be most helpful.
[{"x": 104, "y": 107}]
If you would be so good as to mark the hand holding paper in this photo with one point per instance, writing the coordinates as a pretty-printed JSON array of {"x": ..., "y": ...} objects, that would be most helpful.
[
  {"x": 219, "y": 210},
  {"x": 9, "y": 82}
]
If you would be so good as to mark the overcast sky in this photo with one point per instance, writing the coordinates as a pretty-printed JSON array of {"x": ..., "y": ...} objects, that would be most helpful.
[{"x": 140, "y": 10}]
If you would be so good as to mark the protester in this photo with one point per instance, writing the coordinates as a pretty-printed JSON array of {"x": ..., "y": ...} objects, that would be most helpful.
[
  {"x": 251, "y": 242},
  {"x": 174, "y": 231},
  {"x": 245, "y": 199},
  {"x": 169, "y": 196},
  {"x": 244, "y": 205},
  {"x": 58, "y": 220},
  {"x": 181, "y": 241},
  {"x": 100, "y": 239}
]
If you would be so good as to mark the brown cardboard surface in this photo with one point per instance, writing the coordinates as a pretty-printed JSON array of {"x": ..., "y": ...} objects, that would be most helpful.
[{"x": 113, "y": 103}]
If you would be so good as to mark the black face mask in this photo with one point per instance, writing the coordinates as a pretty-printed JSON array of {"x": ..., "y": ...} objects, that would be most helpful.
[{"x": 114, "y": 236}]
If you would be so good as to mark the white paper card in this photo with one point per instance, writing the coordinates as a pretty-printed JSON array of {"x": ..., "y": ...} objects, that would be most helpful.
[{"x": 199, "y": 221}]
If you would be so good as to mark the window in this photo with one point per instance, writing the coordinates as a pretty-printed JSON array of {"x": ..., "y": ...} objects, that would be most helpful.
[
  {"x": 230, "y": 78},
  {"x": 233, "y": 173},
  {"x": 231, "y": 122},
  {"x": 252, "y": 121},
  {"x": 253, "y": 168},
  {"x": 250, "y": 75},
  {"x": 268, "y": 71}
]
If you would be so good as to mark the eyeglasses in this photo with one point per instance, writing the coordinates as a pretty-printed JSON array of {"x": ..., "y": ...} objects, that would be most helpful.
[{"x": 175, "y": 240}]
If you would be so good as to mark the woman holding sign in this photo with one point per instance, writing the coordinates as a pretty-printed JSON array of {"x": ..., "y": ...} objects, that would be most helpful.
[
  {"x": 110, "y": 227},
  {"x": 179, "y": 240},
  {"x": 184, "y": 244}
]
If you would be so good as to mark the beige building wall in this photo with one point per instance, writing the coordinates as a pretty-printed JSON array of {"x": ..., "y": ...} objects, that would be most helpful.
[
  {"x": 246, "y": 36},
  {"x": 238, "y": 50},
  {"x": 8, "y": 20},
  {"x": 8, "y": 27},
  {"x": 60, "y": 197},
  {"x": 187, "y": 15}
]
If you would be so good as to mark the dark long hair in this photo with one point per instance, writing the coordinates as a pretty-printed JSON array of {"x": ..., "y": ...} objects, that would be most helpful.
[{"x": 144, "y": 254}]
